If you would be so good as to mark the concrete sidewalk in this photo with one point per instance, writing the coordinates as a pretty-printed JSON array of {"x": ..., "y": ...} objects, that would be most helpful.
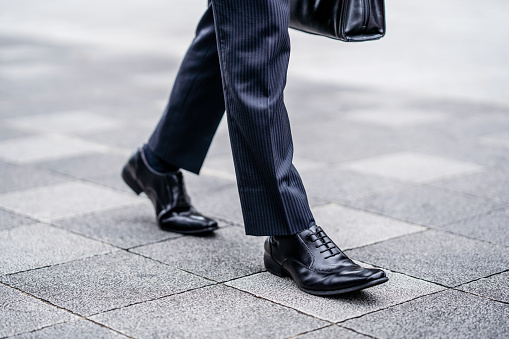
[{"x": 403, "y": 146}]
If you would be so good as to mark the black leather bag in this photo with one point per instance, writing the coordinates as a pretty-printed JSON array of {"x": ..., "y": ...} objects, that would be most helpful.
[{"x": 345, "y": 20}]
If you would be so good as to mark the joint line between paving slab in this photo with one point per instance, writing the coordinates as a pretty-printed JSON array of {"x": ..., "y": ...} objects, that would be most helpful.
[
  {"x": 406, "y": 275},
  {"x": 214, "y": 282},
  {"x": 481, "y": 296},
  {"x": 385, "y": 308},
  {"x": 468, "y": 236},
  {"x": 277, "y": 303},
  {"x": 426, "y": 229},
  {"x": 2, "y": 208},
  {"x": 153, "y": 299},
  {"x": 62, "y": 263},
  {"x": 60, "y": 308}
]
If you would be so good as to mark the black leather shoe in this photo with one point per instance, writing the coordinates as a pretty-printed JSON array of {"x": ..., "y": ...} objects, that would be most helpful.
[
  {"x": 316, "y": 264},
  {"x": 167, "y": 192}
]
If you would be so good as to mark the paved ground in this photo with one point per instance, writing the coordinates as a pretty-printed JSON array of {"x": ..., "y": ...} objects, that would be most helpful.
[{"x": 403, "y": 146}]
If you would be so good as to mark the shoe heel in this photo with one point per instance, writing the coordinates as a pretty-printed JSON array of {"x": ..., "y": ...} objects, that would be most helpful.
[
  {"x": 129, "y": 180},
  {"x": 273, "y": 267}
]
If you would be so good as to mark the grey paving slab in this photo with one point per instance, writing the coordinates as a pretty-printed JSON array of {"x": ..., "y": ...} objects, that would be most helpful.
[
  {"x": 18, "y": 177},
  {"x": 411, "y": 166},
  {"x": 492, "y": 184},
  {"x": 350, "y": 228},
  {"x": 128, "y": 137},
  {"x": 125, "y": 227},
  {"x": 69, "y": 122},
  {"x": 491, "y": 227},
  {"x": 11, "y": 220},
  {"x": 332, "y": 331},
  {"x": 222, "y": 203},
  {"x": 341, "y": 143},
  {"x": 437, "y": 256},
  {"x": 225, "y": 255},
  {"x": 65, "y": 200},
  {"x": 209, "y": 313},
  {"x": 495, "y": 287},
  {"x": 8, "y": 133},
  {"x": 205, "y": 183},
  {"x": 335, "y": 184},
  {"x": 283, "y": 291},
  {"x": 33, "y": 246},
  {"x": 75, "y": 329},
  {"x": 104, "y": 282},
  {"x": 442, "y": 315},
  {"x": 113, "y": 180},
  {"x": 426, "y": 205},
  {"x": 44, "y": 147},
  {"x": 88, "y": 166},
  {"x": 22, "y": 313},
  {"x": 473, "y": 150},
  {"x": 473, "y": 125},
  {"x": 397, "y": 118},
  {"x": 500, "y": 139},
  {"x": 221, "y": 164}
]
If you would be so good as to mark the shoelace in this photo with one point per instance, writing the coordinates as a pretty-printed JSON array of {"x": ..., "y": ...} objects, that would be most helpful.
[{"x": 324, "y": 241}]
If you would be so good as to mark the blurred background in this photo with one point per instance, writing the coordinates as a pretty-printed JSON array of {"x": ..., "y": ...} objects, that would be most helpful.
[{"x": 402, "y": 143}]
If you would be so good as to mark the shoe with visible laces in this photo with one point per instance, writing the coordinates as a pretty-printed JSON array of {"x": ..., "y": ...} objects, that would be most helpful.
[
  {"x": 167, "y": 192},
  {"x": 316, "y": 264}
]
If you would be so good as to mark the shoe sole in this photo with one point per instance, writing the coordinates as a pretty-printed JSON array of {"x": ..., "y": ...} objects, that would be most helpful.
[
  {"x": 131, "y": 182},
  {"x": 273, "y": 267}
]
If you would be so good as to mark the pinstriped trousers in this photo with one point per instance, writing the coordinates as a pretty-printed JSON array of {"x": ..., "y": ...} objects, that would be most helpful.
[{"x": 238, "y": 62}]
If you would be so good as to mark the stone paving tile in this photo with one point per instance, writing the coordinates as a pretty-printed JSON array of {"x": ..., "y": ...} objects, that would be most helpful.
[
  {"x": 497, "y": 139},
  {"x": 64, "y": 200},
  {"x": 221, "y": 164},
  {"x": 283, "y": 291},
  {"x": 332, "y": 331},
  {"x": 225, "y": 255},
  {"x": 87, "y": 166},
  {"x": 33, "y": 246},
  {"x": 437, "y": 256},
  {"x": 129, "y": 137},
  {"x": 11, "y": 220},
  {"x": 442, "y": 315},
  {"x": 346, "y": 143},
  {"x": 412, "y": 167},
  {"x": 426, "y": 205},
  {"x": 222, "y": 203},
  {"x": 492, "y": 227},
  {"x": 495, "y": 287},
  {"x": 350, "y": 228},
  {"x": 467, "y": 150},
  {"x": 336, "y": 184},
  {"x": 16, "y": 177},
  {"x": 80, "y": 328},
  {"x": 113, "y": 180},
  {"x": 8, "y": 133},
  {"x": 492, "y": 183},
  {"x": 209, "y": 313},
  {"x": 21, "y": 313},
  {"x": 204, "y": 183},
  {"x": 125, "y": 227},
  {"x": 397, "y": 118},
  {"x": 44, "y": 147},
  {"x": 105, "y": 282},
  {"x": 70, "y": 122}
]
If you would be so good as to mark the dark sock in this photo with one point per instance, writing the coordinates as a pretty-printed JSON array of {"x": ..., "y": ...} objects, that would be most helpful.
[{"x": 156, "y": 163}]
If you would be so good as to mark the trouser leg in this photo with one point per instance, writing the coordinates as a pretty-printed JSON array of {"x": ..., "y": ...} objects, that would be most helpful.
[
  {"x": 196, "y": 104},
  {"x": 254, "y": 47}
]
